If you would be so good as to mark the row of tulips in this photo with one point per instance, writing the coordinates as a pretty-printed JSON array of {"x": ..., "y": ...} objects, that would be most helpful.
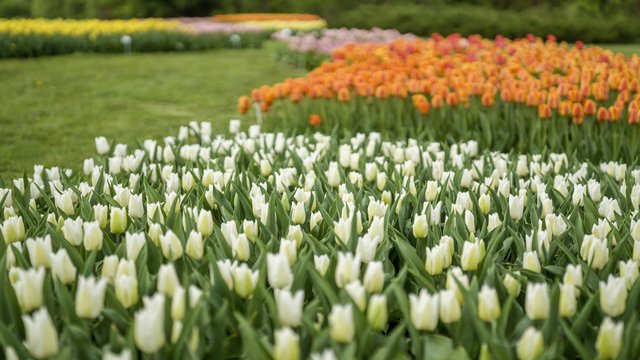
[
  {"x": 275, "y": 21},
  {"x": 527, "y": 93},
  {"x": 260, "y": 245},
  {"x": 310, "y": 49},
  {"x": 41, "y": 37}
]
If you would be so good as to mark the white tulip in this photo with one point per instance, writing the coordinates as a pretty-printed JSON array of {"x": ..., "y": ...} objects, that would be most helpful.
[{"x": 41, "y": 334}]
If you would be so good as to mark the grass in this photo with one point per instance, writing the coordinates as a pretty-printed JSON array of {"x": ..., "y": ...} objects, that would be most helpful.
[
  {"x": 51, "y": 108},
  {"x": 626, "y": 49}
]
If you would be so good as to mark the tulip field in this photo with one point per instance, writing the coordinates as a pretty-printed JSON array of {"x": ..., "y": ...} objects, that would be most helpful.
[{"x": 409, "y": 198}]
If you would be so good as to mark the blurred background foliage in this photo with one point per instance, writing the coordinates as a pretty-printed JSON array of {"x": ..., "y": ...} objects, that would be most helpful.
[{"x": 587, "y": 20}]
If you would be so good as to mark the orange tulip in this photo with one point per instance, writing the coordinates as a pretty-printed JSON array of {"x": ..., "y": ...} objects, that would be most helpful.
[
  {"x": 602, "y": 114},
  {"x": 437, "y": 101},
  {"x": 243, "y": 104},
  {"x": 343, "y": 95},
  {"x": 544, "y": 111},
  {"x": 589, "y": 107},
  {"x": 487, "y": 99},
  {"x": 315, "y": 120}
]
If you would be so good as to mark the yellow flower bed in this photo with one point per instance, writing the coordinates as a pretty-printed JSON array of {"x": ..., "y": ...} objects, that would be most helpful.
[{"x": 91, "y": 27}]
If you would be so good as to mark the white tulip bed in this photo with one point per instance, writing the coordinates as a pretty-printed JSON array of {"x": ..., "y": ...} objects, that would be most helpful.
[{"x": 258, "y": 245}]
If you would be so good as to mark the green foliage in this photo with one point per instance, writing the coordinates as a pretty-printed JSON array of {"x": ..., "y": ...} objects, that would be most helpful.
[
  {"x": 14, "y": 9},
  {"x": 571, "y": 22},
  {"x": 35, "y": 45}
]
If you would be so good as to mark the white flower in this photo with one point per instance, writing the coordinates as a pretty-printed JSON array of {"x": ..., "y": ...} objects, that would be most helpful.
[
  {"x": 13, "y": 229},
  {"x": 27, "y": 285},
  {"x": 148, "y": 325},
  {"x": 279, "y": 272},
  {"x": 134, "y": 244},
  {"x": 171, "y": 245},
  {"x": 530, "y": 345},
  {"x": 568, "y": 300},
  {"x": 289, "y": 307},
  {"x": 287, "y": 345},
  {"x": 341, "y": 323},
  {"x": 537, "y": 302},
  {"x": 168, "y": 280},
  {"x": 41, "y": 334},
  {"x": 321, "y": 263},
  {"x": 629, "y": 272},
  {"x": 90, "y": 297},
  {"x": 613, "y": 296},
  {"x": 347, "y": 269},
  {"x": 450, "y": 310},
  {"x": 420, "y": 226},
  {"x": 102, "y": 145},
  {"x": 39, "y": 251},
  {"x": 488, "y": 304},
  {"x": 357, "y": 293},
  {"x": 424, "y": 310},
  {"x": 72, "y": 231},
  {"x": 609, "y": 340},
  {"x": 61, "y": 266}
]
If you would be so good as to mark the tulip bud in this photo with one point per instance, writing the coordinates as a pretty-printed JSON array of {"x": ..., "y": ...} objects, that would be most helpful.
[
  {"x": 229, "y": 231},
  {"x": 341, "y": 323},
  {"x": 485, "y": 203},
  {"x": 102, "y": 145},
  {"x": 13, "y": 229},
  {"x": 136, "y": 208},
  {"x": 374, "y": 277},
  {"x": 367, "y": 247},
  {"x": 420, "y": 226},
  {"x": 279, "y": 272},
  {"x": 377, "y": 313},
  {"x": 168, "y": 280},
  {"x": 357, "y": 293},
  {"x": 537, "y": 301},
  {"x": 72, "y": 231},
  {"x": 381, "y": 181},
  {"x": 288, "y": 247},
  {"x": 321, "y": 263},
  {"x": 347, "y": 269},
  {"x": 516, "y": 207},
  {"x": 148, "y": 325},
  {"x": 61, "y": 267},
  {"x": 609, "y": 340},
  {"x": 244, "y": 280},
  {"x": 450, "y": 310},
  {"x": 573, "y": 275},
  {"x": 28, "y": 287},
  {"x": 488, "y": 304},
  {"x": 250, "y": 228},
  {"x": 469, "y": 221},
  {"x": 342, "y": 229},
  {"x": 530, "y": 345},
  {"x": 298, "y": 214},
  {"x": 126, "y": 288},
  {"x": 92, "y": 236},
  {"x": 494, "y": 222},
  {"x": 109, "y": 268},
  {"x": 568, "y": 300},
  {"x": 90, "y": 297},
  {"x": 435, "y": 260},
  {"x": 118, "y": 223},
  {"x": 171, "y": 246},
  {"x": 100, "y": 214},
  {"x": 424, "y": 310},
  {"x": 287, "y": 345},
  {"x": 531, "y": 262},
  {"x": 432, "y": 191},
  {"x": 472, "y": 255},
  {"x": 289, "y": 307},
  {"x": 41, "y": 334},
  {"x": 205, "y": 223},
  {"x": 613, "y": 296},
  {"x": 511, "y": 284},
  {"x": 39, "y": 251},
  {"x": 64, "y": 202},
  {"x": 629, "y": 272},
  {"x": 134, "y": 244},
  {"x": 195, "y": 245}
]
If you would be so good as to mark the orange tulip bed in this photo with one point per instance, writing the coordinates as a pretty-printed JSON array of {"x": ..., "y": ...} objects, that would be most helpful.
[{"x": 526, "y": 94}]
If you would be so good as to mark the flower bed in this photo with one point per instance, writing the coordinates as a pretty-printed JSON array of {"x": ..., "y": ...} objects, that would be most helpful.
[
  {"x": 40, "y": 37},
  {"x": 275, "y": 21},
  {"x": 258, "y": 245},
  {"x": 526, "y": 94}
]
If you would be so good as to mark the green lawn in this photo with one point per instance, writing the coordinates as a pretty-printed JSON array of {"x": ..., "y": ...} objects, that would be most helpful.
[
  {"x": 627, "y": 49},
  {"x": 52, "y": 108}
]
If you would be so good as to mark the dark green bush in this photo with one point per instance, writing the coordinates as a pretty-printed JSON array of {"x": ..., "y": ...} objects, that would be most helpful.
[
  {"x": 569, "y": 23},
  {"x": 14, "y": 9}
]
